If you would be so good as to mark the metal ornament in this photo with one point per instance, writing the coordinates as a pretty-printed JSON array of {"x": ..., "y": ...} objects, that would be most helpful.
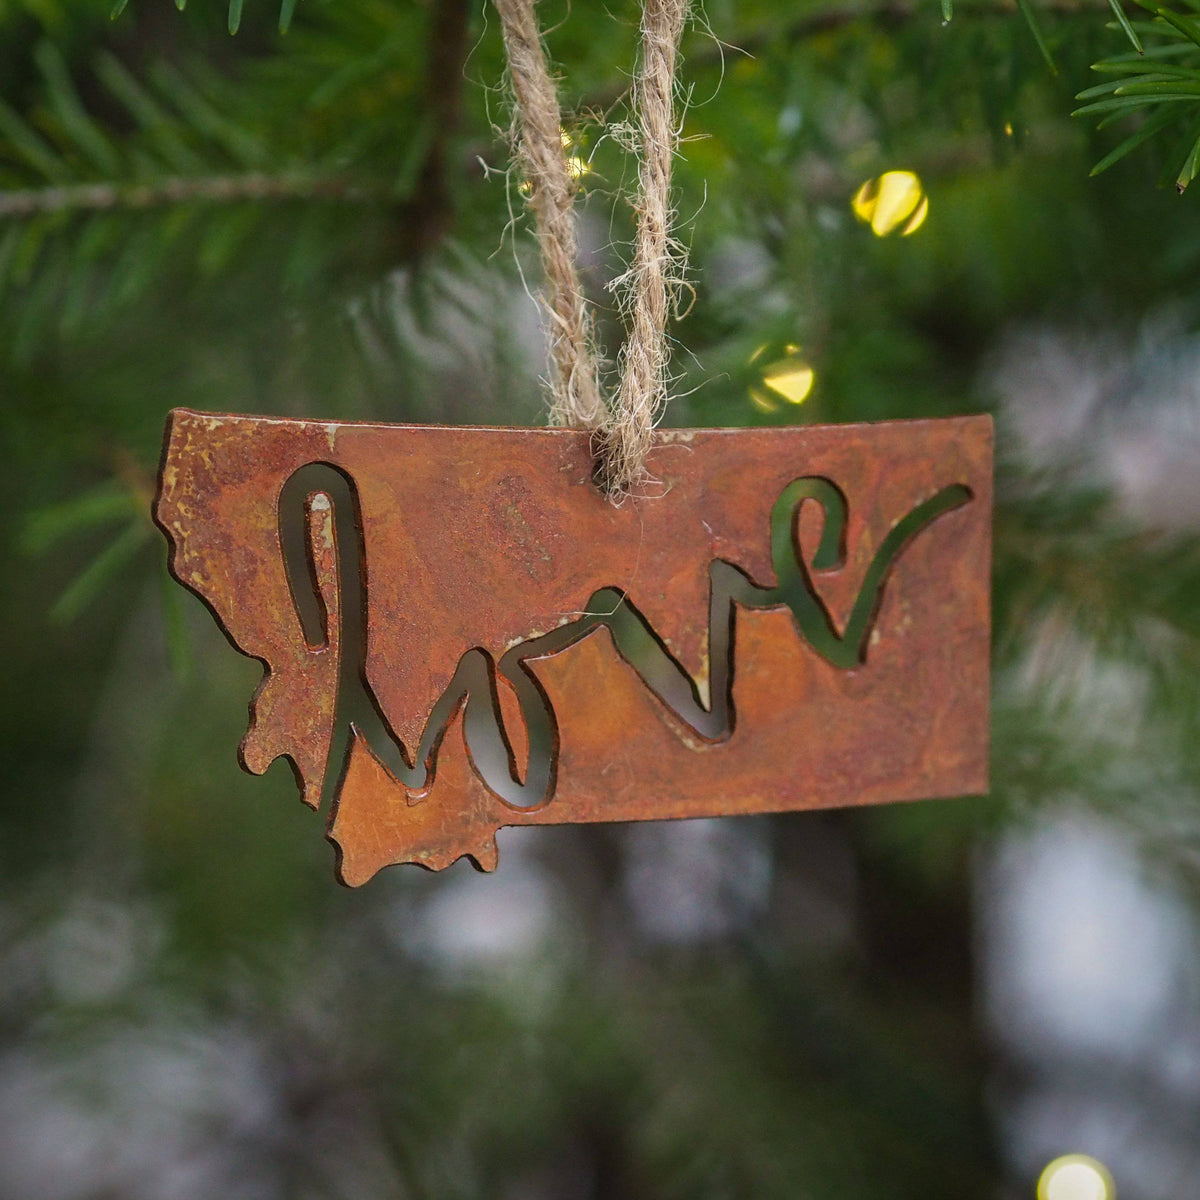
[{"x": 798, "y": 618}]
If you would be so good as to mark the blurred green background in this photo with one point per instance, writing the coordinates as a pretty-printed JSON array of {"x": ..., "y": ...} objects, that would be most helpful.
[{"x": 933, "y": 1000}]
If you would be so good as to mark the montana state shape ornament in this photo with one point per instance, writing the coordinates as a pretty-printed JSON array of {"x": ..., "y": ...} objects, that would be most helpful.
[{"x": 460, "y": 632}]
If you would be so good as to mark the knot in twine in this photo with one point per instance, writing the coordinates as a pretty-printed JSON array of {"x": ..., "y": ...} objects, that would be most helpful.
[{"x": 623, "y": 428}]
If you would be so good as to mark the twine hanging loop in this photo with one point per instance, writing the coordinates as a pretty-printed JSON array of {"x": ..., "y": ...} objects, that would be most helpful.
[{"x": 623, "y": 428}]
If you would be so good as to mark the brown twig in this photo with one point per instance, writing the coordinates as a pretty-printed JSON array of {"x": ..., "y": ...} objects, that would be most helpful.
[
  {"x": 212, "y": 189},
  {"x": 427, "y": 216}
]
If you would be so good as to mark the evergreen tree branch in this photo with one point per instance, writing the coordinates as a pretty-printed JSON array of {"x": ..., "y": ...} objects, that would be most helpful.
[
  {"x": 215, "y": 189},
  {"x": 890, "y": 12},
  {"x": 839, "y": 16}
]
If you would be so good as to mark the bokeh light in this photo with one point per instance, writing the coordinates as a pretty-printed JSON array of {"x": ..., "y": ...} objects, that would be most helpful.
[
  {"x": 895, "y": 202},
  {"x": 788, "y": 378},
  {"x": 1076, "y": 1177},
  {"x": 577, "y": 165}
]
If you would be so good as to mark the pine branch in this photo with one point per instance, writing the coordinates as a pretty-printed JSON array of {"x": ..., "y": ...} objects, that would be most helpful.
[
  {"x": 182, "y": 164},
  {"x": 891, "y": 12},
  {"x": 839, "y": 16},
  {"x": 217, "y": 189},
  {"x": 1158, "y": 86}
]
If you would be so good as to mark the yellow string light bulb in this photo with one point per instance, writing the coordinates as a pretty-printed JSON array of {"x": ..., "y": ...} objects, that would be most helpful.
[
  {"x": 1076, "y": 1177},
  {"x": 895, "y": 202},
  {"x": 789, "y": 378}
]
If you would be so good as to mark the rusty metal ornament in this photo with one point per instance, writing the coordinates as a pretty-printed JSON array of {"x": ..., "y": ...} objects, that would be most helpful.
[{"x": 799, "y": 618}]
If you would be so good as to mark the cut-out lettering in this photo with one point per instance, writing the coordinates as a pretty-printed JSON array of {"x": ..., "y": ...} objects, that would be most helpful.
[
  {"x": 459, "y": 633},
  {"x": 473, "y": 686}
]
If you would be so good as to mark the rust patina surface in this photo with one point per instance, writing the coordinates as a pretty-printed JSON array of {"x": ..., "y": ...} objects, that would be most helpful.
[{"x": 502, "y": 594}]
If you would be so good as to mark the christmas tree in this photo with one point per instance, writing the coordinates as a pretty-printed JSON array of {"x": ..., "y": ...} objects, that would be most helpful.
[{"x": 890, "y": 211}]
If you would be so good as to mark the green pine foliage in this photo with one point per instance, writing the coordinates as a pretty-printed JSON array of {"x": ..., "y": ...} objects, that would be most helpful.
[
  {"x": 321, "y": 222},
  {"x": 1156, "y": 87}
]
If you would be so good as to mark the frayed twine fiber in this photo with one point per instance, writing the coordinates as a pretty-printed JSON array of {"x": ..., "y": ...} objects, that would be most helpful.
[
  {"x": 576, "y": 389},
  {"x": 623, "y": 429}
]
